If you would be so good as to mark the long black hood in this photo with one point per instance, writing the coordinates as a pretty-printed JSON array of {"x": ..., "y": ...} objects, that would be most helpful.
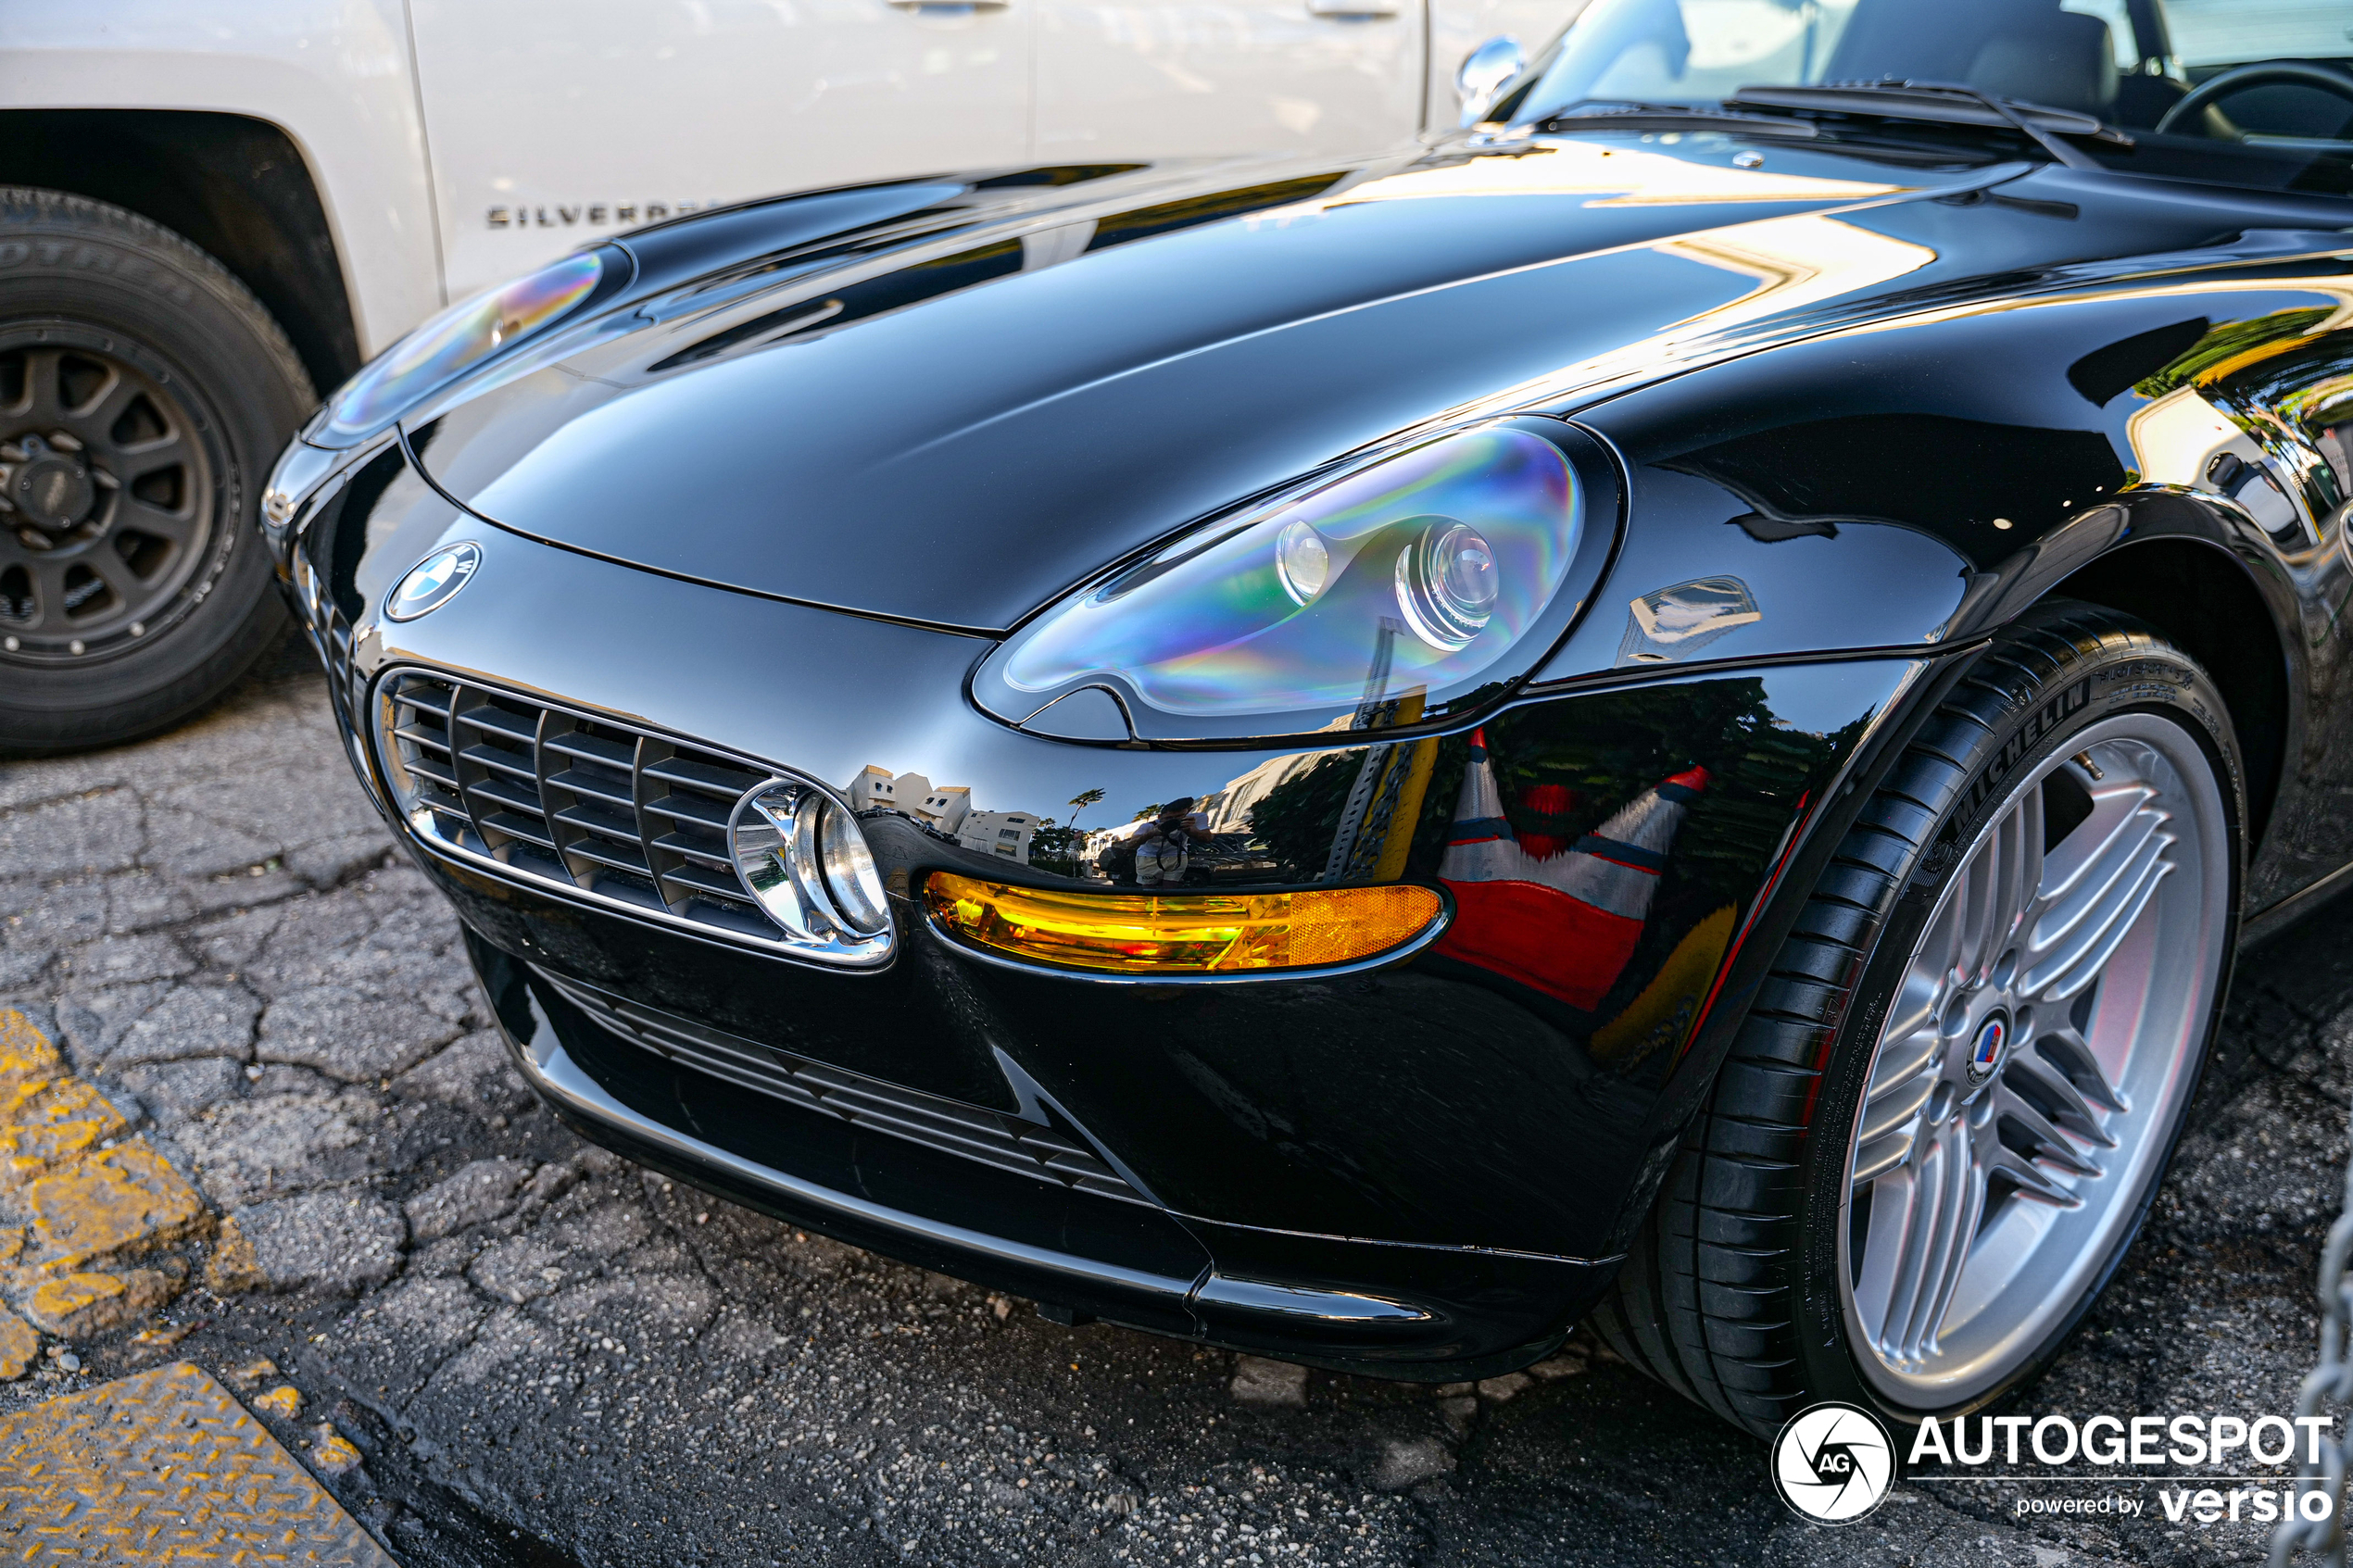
[{"x": 968, "y": 396}]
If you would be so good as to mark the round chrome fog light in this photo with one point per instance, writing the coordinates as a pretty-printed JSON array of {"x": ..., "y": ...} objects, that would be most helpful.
[{"x": 805, "y": 861}]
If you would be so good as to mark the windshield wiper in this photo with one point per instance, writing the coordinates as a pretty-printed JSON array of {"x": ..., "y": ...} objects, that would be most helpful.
[
  {"x": 1943, "y": 103},
  {"x": 1632, "y": 114}
]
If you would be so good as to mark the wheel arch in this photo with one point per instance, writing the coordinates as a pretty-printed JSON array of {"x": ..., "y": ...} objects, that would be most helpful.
[
  {"x": 2203, "y": 598},
  {"x": 235, "y": 186}
]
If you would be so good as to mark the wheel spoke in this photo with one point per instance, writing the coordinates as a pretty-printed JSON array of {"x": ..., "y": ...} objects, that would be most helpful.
[
  {"x": 1893, "y": 1197},
  {"x": 1915, "y": 1008},
  {"x": 2075, "y": 1059},
  {"x": 1979, "y": 915},
  {"x": 2120, "y": 819},
  {"x": 2017, "y": 854},
  {"x": 2096, "y": 924},
  {"x": 2045, "y": 1083},
  {"x": 1939, "y": 1244},
  {"x": 95, "y": 417},
  {"x": 114, "y": 572},
  {"x": 1889, "y": 1110},
  {"x": 136, "y": 461},
  {"x": 48, "y": 592},
  {"x": 1915, "y": 1243},
  {"x": 148, "y": 518},
  {"x": 42, "y": 400},
  {"x": 1873, "y": 1161},
  {"x": 2015, "y": 1108},
  {"x": 2004, "y": 1161},
  {"x": 1899, "y": 1059}
]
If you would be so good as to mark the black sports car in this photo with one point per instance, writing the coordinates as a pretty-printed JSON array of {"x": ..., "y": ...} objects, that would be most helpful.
[{"x": 1671, "y": 712}]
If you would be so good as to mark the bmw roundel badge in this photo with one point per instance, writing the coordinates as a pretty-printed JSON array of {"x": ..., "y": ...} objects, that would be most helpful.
[{"x": 433, "y": 581}]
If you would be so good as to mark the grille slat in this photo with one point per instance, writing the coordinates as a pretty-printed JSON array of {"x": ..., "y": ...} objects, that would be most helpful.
[
  {"x": 437, "y": 770},
  {"x": 583, "y": 803},
  {"x": 513, "y": 797},
  {"x": 620, "y": 856},
  {"x": 708, "y": 778},
  {"x": 498, "y": 720},
  {"x": 946, "y": 1127},
  {"x": 504, "y": 762},
  {"x": 613, "y": 792},
  {"x": 708, "y": 879},
  {"x": 591, "y": 747},
  {"x": 711, "y": 853},
  {"x": 531, "y": 830},
  {"x": 427, "y": 698},
  {"x": 689, "y": 809},
  {"x": 597, "y": 817}
]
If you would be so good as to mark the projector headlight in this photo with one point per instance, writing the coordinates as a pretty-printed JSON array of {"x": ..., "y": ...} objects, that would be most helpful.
[
  {"x": 462, "y": 337},
  {"x": 1433, "y": 577}
]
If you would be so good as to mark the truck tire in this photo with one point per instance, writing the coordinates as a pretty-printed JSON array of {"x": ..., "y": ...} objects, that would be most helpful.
[
  {"x": 144, "y": 393},
  {"x": 2000, "y": 992}
]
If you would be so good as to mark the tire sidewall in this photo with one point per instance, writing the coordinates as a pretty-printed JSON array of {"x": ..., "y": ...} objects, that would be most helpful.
[
  {"x": 76, "y": 274},
  {"x": 2146, "y": 675}
]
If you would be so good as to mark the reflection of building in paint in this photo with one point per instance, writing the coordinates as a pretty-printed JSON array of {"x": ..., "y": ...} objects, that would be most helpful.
[
  {"x": 1228, "y": 809},
  {"x": 998, "y": 832},
  {"x": 945, "y": 810},
  {"x": 877, "y": 789},
  {"x": 1565, "y": 924},
  {"x": 943, "y": 807},
  {"x": 2183, "y": 439}
]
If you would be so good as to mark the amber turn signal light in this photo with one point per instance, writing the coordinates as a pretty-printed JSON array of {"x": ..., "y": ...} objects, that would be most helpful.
[{"x": 1181, "y": 934}]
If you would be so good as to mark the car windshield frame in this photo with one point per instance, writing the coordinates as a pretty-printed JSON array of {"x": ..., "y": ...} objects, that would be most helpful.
[{"x": 2084, "y": 82}]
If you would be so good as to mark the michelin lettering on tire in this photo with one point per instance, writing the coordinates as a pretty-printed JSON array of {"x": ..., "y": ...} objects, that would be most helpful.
[{"x": 1832, "y": 1464}]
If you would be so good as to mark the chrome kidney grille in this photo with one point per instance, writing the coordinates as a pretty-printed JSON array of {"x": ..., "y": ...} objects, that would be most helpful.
[{"x": 570, "y": 801}]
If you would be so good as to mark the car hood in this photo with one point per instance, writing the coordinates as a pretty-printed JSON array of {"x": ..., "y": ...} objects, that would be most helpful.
[{"x": 955, "y": 404}]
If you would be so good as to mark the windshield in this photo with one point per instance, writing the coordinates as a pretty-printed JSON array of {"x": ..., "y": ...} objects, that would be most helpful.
[{"x": 2285, "y": 120}]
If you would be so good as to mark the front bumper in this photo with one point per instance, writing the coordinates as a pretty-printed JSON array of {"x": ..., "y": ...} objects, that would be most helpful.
[
  {"x": 1425, "y": 1171},
  {"x": 1445, "y": 1313}
]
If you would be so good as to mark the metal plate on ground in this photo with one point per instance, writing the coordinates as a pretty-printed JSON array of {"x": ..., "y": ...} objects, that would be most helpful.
[{"x": 163, "y": 1467}]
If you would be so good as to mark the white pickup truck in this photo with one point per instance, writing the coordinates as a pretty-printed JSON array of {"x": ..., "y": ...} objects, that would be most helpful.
[{"x": 211, "y": 210}]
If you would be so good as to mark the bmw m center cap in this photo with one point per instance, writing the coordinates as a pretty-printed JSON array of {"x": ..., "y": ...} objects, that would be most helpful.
[{"x": 433, "y": 582}]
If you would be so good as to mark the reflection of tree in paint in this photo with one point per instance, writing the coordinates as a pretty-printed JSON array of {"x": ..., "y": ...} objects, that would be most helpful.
[{"x": 1296, "y": 819}]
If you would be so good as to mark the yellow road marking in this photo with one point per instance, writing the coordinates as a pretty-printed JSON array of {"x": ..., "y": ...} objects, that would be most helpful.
[
  {"x": 166, "y": 1467},
  {"x": 79, "y": 1203}
]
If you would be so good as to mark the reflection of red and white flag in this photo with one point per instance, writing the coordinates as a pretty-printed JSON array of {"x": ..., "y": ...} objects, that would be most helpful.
[{"x": 1565, "y": 925}]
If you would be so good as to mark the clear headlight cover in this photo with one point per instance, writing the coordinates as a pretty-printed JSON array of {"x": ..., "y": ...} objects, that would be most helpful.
[
  {"x": 1431, "y": 578},
  {"x": 462, "y": 337}
]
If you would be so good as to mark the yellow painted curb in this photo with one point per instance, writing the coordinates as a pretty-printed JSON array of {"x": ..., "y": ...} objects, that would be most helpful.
[{"x": 79, "y": 1202}]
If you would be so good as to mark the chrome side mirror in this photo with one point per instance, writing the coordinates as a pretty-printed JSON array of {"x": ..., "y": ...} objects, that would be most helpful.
[{"x": 1485, "y": 72}]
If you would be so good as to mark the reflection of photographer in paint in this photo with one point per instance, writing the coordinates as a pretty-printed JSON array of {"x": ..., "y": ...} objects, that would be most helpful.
[{"x": 1154, "y": 851}]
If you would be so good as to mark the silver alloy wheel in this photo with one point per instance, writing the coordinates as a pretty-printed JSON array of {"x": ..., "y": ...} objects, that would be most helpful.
[{"x": 2042, "y": 1047}]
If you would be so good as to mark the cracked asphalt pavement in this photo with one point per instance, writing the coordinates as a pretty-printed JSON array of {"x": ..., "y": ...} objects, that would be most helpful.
[{"x": 542, "y": 1355}]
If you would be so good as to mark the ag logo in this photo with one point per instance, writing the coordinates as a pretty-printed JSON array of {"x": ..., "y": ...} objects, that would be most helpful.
[
  {"x": 433, "y": 581},
  {"x": 1834, "y": 1463}
]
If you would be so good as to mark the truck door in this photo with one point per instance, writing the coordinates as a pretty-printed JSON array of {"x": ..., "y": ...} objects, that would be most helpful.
[
  {"x": 1140, "y": 79},
  {"x": 550, "y": 122}
]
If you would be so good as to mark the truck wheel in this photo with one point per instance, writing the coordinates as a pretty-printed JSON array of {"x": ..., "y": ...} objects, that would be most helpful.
[
  {"x": 144, "y": 393},
  {"x": 1949, "y": 1107}
]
